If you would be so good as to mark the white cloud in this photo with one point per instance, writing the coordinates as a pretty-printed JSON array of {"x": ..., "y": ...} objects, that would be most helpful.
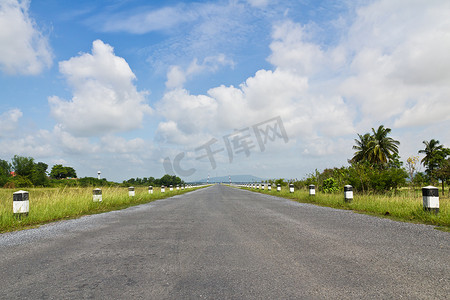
[
  {"x": 152, "y": 20},
  {"x": 176, "y": 77},
  {"x": 9, "y": 121},
  {"x": 291, "y": 50},
  {"x": 268, "y": 94},
  {"x": 71, "y": 144},
  {"x": 105, "y": 100},
  {"x": 388, "y": 67},
  {"x": 188, "y": 116},
  {"x": 116, "y": 144},
  {"x": 24, "y": 49},
  {"x": 37, "y": 145},
  {"x": 399, "y": 67}
]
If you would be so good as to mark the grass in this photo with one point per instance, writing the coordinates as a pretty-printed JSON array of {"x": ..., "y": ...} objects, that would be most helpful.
[
  {"x": 406, "y": 206},
  {"x": 53, "y": 204}
]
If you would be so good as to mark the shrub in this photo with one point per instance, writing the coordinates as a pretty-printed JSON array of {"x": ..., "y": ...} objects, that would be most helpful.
[{"x": 330, "y": 185}]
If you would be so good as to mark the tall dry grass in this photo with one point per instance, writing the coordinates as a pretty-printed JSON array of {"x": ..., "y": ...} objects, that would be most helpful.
[
  {"x": 405, "y": 205},
  {"x": 52, "y": 204}
]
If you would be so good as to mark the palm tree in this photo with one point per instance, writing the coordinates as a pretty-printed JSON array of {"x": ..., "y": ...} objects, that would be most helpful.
[
  {"x": 381, "y": 147},
  {"x": 361, "y": 147},
  {"x": 432, "y": 151}
]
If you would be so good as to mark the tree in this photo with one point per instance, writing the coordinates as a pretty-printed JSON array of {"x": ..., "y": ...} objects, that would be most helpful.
[
  {"x": 23, "y": 166},
  {"x": 39, "y": 174},
  {"x": 434, "y": 156},
  {"x": 412, "y": 166},
  {"x": 381, "y": 147},
  {"x": 168, "y": 180},
  {"x": 5, "y": 172},
  {"x": 5, "y": 167},
  {"x": 361, "y": 147},
  {"x": 59, "y": 172},
  {"x": 443, "y": 172},
  {"x": 419, "y": 179},
  {"x": 71, "y": 172}
]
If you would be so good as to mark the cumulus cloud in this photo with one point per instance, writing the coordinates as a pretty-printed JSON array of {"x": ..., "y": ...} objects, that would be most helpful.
[
  {"x": 24, "y": 49},
  {"x": 389, "y": 66},
  {"x": 9, "y": 121},
  {"x": 188, "y": 116},
  {"x": 38, "y": 145},
  {"x": 105, "y": 100},
  {"x": 191, "y": 118},
  {"x": 398, "y": 66},
  {"x": 116, "y": 144},
  {"x": 291, "y": 50}
]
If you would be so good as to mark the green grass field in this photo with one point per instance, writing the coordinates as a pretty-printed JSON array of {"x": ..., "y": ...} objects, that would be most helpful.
[
  {"x": 404, "y": 206},
  {"x": 53, "y": 204}
]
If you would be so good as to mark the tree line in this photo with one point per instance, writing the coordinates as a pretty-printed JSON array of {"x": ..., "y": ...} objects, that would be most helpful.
[
  {"x": 166, "y": 180},
  {"x": 25, "y": 172},
  {"x": 376, "y": 166}
]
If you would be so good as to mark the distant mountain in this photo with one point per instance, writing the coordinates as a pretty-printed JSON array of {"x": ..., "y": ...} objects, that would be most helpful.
[{"x": 234, "y": 178}]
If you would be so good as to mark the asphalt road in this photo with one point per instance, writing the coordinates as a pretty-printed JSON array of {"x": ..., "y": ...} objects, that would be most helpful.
[{"x": 226, "y": 243}]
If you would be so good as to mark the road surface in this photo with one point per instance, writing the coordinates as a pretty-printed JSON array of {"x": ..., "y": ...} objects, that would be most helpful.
[{"x": 225, "y": 243}]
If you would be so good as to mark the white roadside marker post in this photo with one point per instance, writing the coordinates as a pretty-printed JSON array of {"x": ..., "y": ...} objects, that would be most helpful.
[
  {"x": 150, "y": 190},
  {"x": 430, "y": 196},
  {"x": 21, "y": 203},
  {"x": 162, "y": 189},
  {"x": 278, "y": 187},
  {"x": 312, "y": 190},
  {"x": 291, "y": 187},
  {"x": 348, "y": 193},
  {"x": 170, "y": 187},
  {"x": 97, "y": 195},
  {"x": 131, "y": 192},
  {"x": 269, "y": 187}
]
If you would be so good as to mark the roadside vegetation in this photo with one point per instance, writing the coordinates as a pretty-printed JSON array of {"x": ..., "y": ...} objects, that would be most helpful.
[
  {"x": 59, "y": 194},
  {"x": 403, "y": 205},
  {"x": 53, "y": 204},
  {"x": 381, "y": 184},
  {"x": 24, "y": 172}
]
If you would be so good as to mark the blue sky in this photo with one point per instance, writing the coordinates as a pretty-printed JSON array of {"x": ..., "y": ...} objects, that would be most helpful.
[{"x": 122, "y": 86}]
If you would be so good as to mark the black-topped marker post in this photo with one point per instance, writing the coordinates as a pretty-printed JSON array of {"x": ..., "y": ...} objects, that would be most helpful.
[
  {"x": 348, "y": 193},
  {"x": 312, "y": 190},
  {"x": 431, "y": 199},
  {"x": 131, "y": 192},
  {"x": 97, "y": 195},
  {"x": 21, "y": 203}
]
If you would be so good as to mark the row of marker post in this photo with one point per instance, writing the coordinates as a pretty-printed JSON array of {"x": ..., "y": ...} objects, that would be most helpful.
[
  {"x": 21, "y": 199},
  {"x": 430, "y": 194}
]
